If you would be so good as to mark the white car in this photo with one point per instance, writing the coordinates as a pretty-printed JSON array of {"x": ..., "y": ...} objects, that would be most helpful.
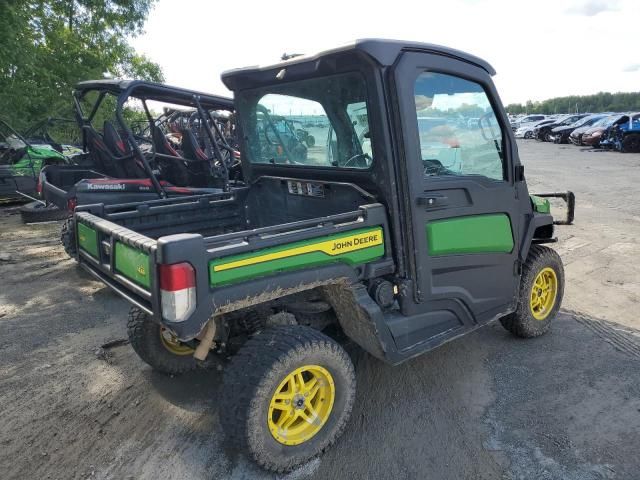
[
  {"x": 527, "y": 119},
  {"x": 526, "y": 129}
]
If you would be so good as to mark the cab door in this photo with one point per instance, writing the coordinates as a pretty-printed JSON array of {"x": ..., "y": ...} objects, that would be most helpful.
[{"x": 465, "y": 210}]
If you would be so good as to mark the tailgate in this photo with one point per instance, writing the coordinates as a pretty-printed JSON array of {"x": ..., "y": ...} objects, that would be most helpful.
[{"x": 121, "y": 258}]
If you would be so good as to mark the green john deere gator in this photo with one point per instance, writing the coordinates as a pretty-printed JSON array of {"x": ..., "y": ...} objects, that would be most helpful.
[{"x": 406, "y": 224}]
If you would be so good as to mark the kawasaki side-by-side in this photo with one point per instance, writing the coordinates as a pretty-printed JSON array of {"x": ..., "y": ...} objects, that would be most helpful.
[
  {"x": 426, "y": 233},
  {"x": 21, "y": 160},
  {"x": 165, "y": 156}
]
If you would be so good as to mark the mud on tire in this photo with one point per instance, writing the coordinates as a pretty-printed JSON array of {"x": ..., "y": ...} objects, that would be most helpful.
[
  {"x": 145, "y": 337},
  {"x": 522, "y": 322},
  {"x": 252, "y": 379}
]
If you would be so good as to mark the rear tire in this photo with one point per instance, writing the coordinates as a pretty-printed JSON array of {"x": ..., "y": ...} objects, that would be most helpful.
[
  {"x": 631, "y": 143},
  {"x": 35, "y": 212},
  {"x": 168, "y": 356},
  {"x": 68, "y": 237},
  {"x": 535, "y": 312},
  {"x": 262, "y": 377}
]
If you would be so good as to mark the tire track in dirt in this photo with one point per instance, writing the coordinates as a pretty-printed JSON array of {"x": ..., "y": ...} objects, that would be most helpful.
[{"x": 623, "y": 339}]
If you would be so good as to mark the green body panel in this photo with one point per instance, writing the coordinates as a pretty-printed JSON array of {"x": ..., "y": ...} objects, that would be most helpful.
[
  {"x": 88, "y": 239},
  {"x": 296, "y": 261},
  {"x": 472, "y": 234},
  {"x": 133, "y": 264},
  {"x": 31, "y": 162},
  {"x": 540, "y": 205}
]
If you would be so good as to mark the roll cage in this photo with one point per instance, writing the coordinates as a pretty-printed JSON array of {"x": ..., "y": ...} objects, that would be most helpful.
[{"x": 123, "y": 90}]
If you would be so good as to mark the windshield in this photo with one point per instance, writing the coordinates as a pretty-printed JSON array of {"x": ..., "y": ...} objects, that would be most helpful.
[{"x": 320, "y": 122}]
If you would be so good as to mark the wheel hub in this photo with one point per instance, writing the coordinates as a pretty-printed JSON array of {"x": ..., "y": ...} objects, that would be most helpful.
[
  {"x": 543, "y": 293},
  {"x": 301, "y": 405},
  {"x": 171, "y": 343}
]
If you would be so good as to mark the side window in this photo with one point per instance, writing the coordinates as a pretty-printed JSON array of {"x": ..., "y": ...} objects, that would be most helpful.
[{"x": 459, "y": 132}]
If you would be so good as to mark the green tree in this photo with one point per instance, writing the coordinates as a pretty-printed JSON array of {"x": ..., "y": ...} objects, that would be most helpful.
[
  {"x": 49, "y": 46},
  {"x": 599, "y": 102}
]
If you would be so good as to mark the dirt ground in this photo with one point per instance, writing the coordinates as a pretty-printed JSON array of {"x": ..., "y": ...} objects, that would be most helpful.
[{"x": 487, "y": 406}]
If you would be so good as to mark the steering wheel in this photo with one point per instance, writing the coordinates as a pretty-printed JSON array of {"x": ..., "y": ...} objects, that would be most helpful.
[
  {"x": 432, "y": 167},
  {"x": 367, "y": 159}
]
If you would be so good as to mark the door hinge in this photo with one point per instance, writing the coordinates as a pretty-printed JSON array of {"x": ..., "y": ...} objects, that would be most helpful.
[{"x": 517, "y": 268}]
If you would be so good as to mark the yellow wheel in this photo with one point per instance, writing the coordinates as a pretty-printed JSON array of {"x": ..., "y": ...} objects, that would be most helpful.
[
  {"x": 541, "y": 290},
  {"x": 301, "y": 404},
  {"x": 543, "y": 293},
  {"x": 171, "y": 343},
  {"x": 288, "y": 394},
  {"x": 157, "y": 346}
]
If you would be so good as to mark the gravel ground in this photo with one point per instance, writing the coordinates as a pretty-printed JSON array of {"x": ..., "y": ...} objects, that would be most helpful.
[{"x": 486, "y": 406}]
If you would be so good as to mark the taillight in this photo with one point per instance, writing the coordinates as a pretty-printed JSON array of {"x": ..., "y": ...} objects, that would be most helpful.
[
  {"x": 72, "y": 203},
  {"x": 177, "y": 291},
  {"x": 39, "y": 184}
]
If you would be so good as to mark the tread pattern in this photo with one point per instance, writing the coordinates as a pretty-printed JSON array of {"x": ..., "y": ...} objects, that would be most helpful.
[
  {"x": 144, "y": 337},
  {"x": 68, "y": 237},
  {"x": 520, "y": 323},
  {"x": 252, "y": 364}
]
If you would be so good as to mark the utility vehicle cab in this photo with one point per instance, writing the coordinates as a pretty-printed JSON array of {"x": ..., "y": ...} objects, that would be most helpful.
[
  {"x": 410, "y": 226},
  {"x": 457, "y": 204}
]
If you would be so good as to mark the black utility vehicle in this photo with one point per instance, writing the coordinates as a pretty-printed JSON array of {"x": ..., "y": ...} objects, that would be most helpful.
[{"x": 425, "y": 236}]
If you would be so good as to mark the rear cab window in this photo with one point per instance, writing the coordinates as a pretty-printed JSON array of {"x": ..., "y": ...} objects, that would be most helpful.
[{"x": 320, "y": 122}]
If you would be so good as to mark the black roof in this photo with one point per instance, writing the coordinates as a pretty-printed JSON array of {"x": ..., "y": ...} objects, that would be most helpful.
[
  {"x": 384, "y": 52},
  {"x": 154, "y": 91}
]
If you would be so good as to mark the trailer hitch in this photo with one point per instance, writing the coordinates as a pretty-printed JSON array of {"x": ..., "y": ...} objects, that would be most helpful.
[{"x": 569, "y": 198}]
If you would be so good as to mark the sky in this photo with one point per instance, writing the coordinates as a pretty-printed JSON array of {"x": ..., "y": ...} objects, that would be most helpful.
[{"x": 539, "y": 48}]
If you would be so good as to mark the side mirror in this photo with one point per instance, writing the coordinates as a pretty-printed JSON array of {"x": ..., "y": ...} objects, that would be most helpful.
[{"x": 518, "y": 174}]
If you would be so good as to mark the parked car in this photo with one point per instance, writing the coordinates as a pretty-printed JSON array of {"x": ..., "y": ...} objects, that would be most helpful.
[
  {"x": 526, "y": 130},
  {"x": 577, "y": 136},
  {"x": 526, "y": 120},
  {"x": 626, "y": 136},
  {"x": 612, "y": 137},
  {"x": 561, "y": 134},
  {"x": 599, "y": 135},
  {"x": 544, "y": 133}
]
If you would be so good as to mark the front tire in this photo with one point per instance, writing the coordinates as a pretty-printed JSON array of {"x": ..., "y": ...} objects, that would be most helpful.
[
  {"x": 288, "y": 396},
  {"x": 631, "y": 143},
  {"x": 540, "y": 296},
  {"x": 157, "y": 347}
]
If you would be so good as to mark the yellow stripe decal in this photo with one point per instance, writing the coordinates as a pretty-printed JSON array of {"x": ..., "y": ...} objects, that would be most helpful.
[{"x": 330, "y": 247}]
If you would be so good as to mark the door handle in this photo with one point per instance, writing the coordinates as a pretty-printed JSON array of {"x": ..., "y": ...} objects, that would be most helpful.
[{"x": 430, "y": 201}]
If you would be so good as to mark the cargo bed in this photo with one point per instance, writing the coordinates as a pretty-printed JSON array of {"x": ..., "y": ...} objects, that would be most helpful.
[{"x": 231, "y": 238}]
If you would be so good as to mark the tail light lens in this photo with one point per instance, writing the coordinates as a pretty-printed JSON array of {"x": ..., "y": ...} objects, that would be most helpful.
[
  {"x": 177, "y": 291},
  {"x": 39, "y": 184},
  {"x": 72, "y": 203}
]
